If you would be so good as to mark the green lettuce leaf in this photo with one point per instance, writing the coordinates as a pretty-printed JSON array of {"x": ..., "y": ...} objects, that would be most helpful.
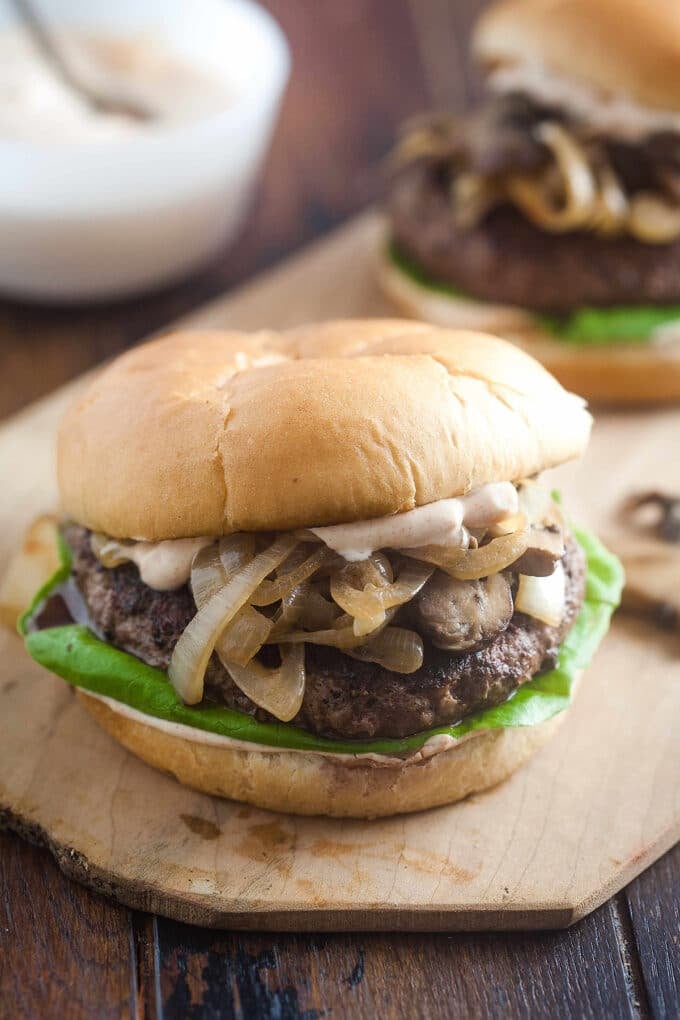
[
  {"x": 57, "y": 578},
  {"x": 599, "y": 326},
  {"x": 83, "y": 660},
  {"x": 585, "y": 326}
]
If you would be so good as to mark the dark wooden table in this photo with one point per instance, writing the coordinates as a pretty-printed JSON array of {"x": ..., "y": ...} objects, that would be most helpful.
[{"x": 360, "y": 66}]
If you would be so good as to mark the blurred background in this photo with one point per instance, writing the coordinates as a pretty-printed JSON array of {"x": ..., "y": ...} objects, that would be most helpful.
[{"x": 359, "y": 67}]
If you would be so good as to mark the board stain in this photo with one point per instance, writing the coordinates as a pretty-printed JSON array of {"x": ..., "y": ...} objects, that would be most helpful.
[
  {"x": 424, "y": 861},
  {"x": 311, "y": 891},
  {"x": 266, "y": 840},
  {"x": 201, "y": 827}
]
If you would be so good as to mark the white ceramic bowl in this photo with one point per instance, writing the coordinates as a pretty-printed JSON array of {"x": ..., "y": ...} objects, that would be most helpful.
[{"x": 98, "y": 220}]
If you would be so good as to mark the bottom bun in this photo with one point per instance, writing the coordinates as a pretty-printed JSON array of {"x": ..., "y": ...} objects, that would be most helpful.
[
  {"x": 305, "y": 783},
  {"x": 609, "y": 373}
]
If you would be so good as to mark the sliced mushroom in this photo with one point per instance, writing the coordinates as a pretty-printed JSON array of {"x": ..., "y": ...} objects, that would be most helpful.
[
  {"x": 657, "y": 512},
  {"x": 546, "y": 543},
  {"x": 461, "y": 615},
  {"x": 545, "y": 550}
]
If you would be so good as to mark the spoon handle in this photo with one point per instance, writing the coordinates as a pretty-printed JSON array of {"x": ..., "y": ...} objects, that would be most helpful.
[{"x": 45, "y": 38}]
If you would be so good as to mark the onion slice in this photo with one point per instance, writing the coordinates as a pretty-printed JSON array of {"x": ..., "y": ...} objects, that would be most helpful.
[
  {"x": 653, "y": 219},
  {"x": 195, "y": 646},
  {"x": 278, "y": 691},
  {"x": 109, "y": 551},
  {"x": 542, "y": 597},
  {"x": 208, "y": 576},
  {"x": 235, "y": 551},
  {"x": 243, "y": 637},
  {"x": 274, "y": 591},
  {"x": 395, "y": 648},
  {"x": 341, "y": 635},
  {"x": 304, "y": 607},
  {"x": 471, "y": 564},
  {"x": 529, "y": 193},
  {"x": 610, "y": 210},
  {"x": 368, "y": 605}
]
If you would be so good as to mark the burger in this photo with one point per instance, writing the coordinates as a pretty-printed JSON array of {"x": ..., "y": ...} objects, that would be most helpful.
[
  {"x": 551, "y": 213},
  {"x": 315, "y": 571}
]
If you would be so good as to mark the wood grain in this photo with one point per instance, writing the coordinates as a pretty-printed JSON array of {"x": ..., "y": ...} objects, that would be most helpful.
[
  {"x": 63, "y": 950},
  {"x": 653, "y": 902},
  {"x": 567, "y": 831},
  {"x": 366, "y": 976}
]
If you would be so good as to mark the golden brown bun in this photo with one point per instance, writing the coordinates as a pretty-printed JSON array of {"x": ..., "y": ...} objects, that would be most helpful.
[
  {"x": 611, "y": 374},
  {"x": 302, "y": 783},
  {"x": 210, "y": 433},
  {"x": 619, "y": 47}
]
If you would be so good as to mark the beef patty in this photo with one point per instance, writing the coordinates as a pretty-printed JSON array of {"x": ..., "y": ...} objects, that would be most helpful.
[
  {"x": 509, "y": 260},
  {"x": 343, "y": 697}
]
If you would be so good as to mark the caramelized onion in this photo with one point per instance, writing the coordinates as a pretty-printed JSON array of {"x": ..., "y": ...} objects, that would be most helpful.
[
  {"x": 510, "y": 525},
  {"x": 235, "y": 551},
  {"x": 244, "y": 636},
  {"x": 577, "y": 189},
  {"x": 611, "y": 205},
  {"x": 577, "y": 184},
  {"x": 317, "y": 612},
  {"x": 278, "y": 691},
  {"x": 305, "y": 607},
  {"x": 653, "y": 219},
  {"x": 471, "y": 564},
  {"x": 208, "y": 575},
  {"x": 473, "y": 196},
  {"x": 395, "y": 648},
  {"x": 195, "y": 646},
  {"x": 341, "y": 636},
  {"x": 109, "y": 551},
  {"x": 274, "y": 591},
  {"x": 368, "y": 604}
]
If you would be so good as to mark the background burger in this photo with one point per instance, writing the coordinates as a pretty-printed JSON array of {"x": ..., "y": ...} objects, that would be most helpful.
[
  {"x": 315, "y": 571},
  {"x": 551, "y": 214}
]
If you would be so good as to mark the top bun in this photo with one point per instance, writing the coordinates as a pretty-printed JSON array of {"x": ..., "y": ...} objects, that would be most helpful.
[
  {"x": 207, "y": 433},
  {"x": 619, "y": 47}
]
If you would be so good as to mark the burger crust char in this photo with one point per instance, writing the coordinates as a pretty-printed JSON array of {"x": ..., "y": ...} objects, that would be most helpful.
[
  {"x": 508, "y": 260},
  {"x": 344, "y": 698}
]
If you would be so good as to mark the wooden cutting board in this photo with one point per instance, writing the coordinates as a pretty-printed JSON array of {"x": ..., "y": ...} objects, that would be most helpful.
[{"x": 588, "y": 813}]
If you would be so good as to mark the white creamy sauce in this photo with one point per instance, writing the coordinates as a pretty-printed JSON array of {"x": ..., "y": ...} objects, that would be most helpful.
[
  {"x": 164, "y": 565},
  {"x": 36, "y": 105},
  {"x": 619, "y": 116},
  {"x": 167, "y": 565},
  {"x": 436, "y": 744},
  {"x": 443, "y": 522}
]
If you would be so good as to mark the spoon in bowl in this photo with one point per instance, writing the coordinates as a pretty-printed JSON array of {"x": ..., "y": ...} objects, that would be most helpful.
[{"x": 103, "y": 96}]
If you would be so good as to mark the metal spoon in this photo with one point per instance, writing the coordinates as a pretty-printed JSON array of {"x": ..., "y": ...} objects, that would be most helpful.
[{"x": 52, "y": 46}]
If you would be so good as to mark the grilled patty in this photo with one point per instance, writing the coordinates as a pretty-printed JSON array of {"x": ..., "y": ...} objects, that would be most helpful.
[
  {"x": 343, "y": 697},
  {"x": 508, "y": 260}
]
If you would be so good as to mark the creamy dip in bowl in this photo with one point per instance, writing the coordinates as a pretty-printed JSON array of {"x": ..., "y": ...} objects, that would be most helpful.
[{"x": 95, "y": 206}]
